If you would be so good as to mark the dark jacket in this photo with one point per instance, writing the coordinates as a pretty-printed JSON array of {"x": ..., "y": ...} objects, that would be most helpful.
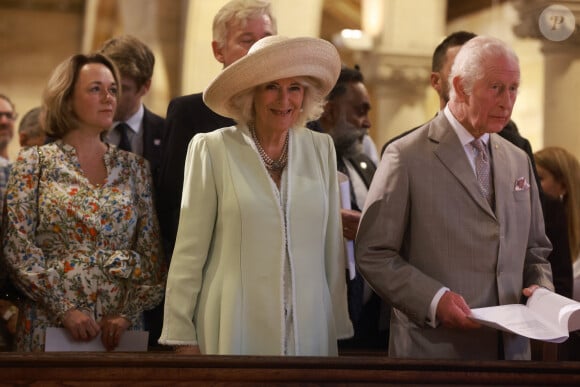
[{"x": 186, "y": 116}]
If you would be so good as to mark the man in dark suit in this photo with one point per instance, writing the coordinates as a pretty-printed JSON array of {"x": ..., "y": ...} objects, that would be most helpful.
[
  {"x": 346, "y": 119},
  {"x": 236, "y": 26},
  {"x": 136, "y": 129}
]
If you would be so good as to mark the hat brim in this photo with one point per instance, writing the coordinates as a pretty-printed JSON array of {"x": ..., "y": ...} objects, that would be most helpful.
[{"x": 274, "y": 58}]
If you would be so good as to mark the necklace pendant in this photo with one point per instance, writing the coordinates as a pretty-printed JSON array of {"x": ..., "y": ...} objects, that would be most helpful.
[{"x": 276, "y": 165}]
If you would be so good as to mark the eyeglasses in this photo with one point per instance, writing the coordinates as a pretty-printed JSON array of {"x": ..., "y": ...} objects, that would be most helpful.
[{"x": 9, "y": 115}]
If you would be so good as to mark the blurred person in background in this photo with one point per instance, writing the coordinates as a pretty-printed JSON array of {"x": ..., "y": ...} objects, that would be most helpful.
[
  {"x": 30, "y": 131},
  {"x": 559, "y": 173},
  {"x": 8, "y": 117}
]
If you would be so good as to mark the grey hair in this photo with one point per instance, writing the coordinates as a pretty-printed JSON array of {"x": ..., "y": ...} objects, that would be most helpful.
[
  {"x": 238, "y": 12},
  {"x": 469, "y": 64},
  {"x": 312, "y": 105}
]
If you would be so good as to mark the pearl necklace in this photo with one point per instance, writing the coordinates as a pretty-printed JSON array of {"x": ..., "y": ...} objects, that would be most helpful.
[{"x": 271, "y": 165}]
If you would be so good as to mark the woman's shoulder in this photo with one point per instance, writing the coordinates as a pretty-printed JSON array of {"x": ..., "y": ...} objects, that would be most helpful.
[
  {"x": 215, "y": 136},
  {"x": 51, "y": 149},
  {"x": 27, "y": 152},
  {"x": 33, "y": 154},
  {"x": 218, "y": 133}
]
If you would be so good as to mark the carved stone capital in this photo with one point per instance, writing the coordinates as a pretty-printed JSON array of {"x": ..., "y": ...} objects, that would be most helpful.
[
  {"x": 399, "y": 72},
  {"x": 529, "y": 26}
]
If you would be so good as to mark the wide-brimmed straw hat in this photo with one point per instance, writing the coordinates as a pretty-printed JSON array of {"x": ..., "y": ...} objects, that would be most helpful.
[{"x": 272, "y": 58}]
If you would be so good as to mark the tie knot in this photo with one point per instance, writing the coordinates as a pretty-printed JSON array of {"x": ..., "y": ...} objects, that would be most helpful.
[
  {"x": 478, "y": 144},
  {"x": 122, "y": 127},
  {"x": 124, "y": 142}
]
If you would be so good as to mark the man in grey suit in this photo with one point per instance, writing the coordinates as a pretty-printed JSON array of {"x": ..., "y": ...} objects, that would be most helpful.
[{"x": 437, "y": 239}]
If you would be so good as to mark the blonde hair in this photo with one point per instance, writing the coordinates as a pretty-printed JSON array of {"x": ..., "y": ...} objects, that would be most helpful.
[{"x": 566, "y": 170}]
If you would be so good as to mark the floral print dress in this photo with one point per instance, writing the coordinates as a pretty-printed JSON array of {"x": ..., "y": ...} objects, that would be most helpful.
[{"x": 70, "y": 244}]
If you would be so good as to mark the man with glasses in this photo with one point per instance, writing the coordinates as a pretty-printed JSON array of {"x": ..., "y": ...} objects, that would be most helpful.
[{"x": 7, "y": 119}]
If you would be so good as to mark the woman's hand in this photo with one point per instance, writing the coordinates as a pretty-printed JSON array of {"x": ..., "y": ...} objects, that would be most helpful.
[
  {"x": 80, "y": 325},
  {"x": 9, "y": 313},
  {"x": 113, "y": 327},
  {"x": 187, "y": 350}
]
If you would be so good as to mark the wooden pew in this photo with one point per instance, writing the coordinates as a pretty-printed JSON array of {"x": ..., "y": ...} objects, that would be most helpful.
[{"x": 167, "y": 369}]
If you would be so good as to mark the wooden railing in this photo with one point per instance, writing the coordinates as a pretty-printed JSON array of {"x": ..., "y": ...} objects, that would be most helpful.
[{"x": 167, "y": 369}]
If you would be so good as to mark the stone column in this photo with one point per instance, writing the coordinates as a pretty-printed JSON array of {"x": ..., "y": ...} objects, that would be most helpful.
[
  {"x": 561, "y": 75},
  {"x": 140, "y": 18},
  {"x": 298, "y": 17},
  {"x": 398, "y": 67},
  {"x": 199, "y": 66}
]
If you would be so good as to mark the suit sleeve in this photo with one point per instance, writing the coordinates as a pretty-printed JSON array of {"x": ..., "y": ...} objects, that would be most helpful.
[
  {"x": 198, "y": 215},
  {"x": 537, "y": 270},
  {"x": 380, "y": 240},
  {"x": 170, "y": 174}
]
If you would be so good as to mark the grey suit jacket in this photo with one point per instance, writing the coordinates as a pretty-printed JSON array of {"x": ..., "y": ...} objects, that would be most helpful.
[{"x": 426, "y": 225}]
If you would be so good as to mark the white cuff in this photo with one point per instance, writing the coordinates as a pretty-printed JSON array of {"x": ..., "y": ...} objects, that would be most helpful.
[{"x": 432, "y": 316}]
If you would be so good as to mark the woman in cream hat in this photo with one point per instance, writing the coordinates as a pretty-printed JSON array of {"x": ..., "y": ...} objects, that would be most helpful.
[{"x": 258, "y": 266}]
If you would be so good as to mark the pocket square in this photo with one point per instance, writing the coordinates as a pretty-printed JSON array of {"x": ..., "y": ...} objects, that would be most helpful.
[{"x": 521, "y": 184}]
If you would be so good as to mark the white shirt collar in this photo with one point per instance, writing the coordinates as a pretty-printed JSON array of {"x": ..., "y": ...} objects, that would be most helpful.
[
  {"x": 135, "y": 120},
  {"x": 464, "y": 136}
]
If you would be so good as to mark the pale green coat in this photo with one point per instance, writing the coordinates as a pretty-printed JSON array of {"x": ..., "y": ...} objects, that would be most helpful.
[{"x": 225, "y": 288}]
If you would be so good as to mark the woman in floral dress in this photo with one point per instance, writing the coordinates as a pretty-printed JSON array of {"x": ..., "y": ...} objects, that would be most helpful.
[{"x": 81, "y": 237}]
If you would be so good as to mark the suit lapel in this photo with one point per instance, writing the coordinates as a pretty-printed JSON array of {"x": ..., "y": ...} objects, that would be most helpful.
[
  {"x": 449, "y": 151},
  {"x": 501, "y": 183},
  {"x": 150, "y": 142},
  {"x": 146, "y": 134}
]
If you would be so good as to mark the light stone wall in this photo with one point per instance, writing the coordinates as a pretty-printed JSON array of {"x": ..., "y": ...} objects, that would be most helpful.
[
  {"x": 397, "y": 69},
  {"x": 33, "y": 43}
]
